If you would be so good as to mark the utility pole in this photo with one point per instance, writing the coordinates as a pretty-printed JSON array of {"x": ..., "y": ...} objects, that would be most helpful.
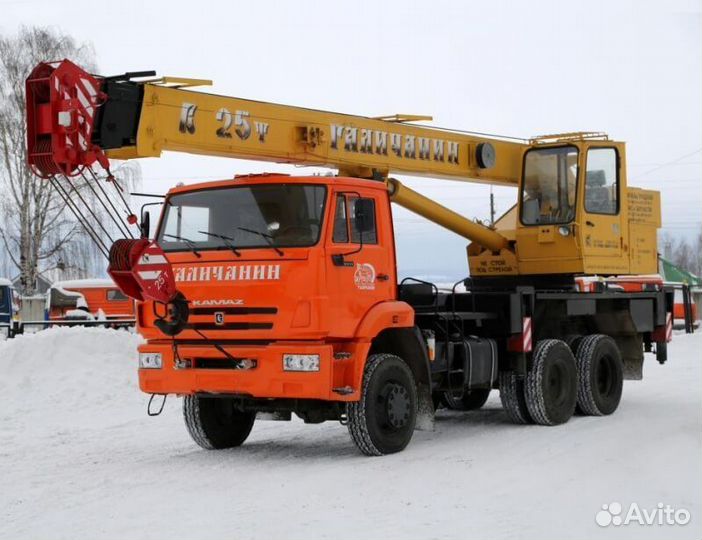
[{"x": 492, "y": 208}]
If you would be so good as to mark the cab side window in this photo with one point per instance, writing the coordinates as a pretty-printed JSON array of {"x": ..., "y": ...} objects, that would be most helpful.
[
  {"x": 341, "y": 225},
  {"x": 345, "y": 222},
  {"x": 602, "y": 182}
]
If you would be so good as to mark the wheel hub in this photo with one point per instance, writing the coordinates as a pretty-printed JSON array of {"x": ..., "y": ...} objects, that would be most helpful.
[{"x": 397, "y": 405}]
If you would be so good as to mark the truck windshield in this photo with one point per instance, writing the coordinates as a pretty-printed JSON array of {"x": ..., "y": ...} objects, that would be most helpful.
[
  {"x": 549, "y": 186},
  {"x": 266, "y": 215}
]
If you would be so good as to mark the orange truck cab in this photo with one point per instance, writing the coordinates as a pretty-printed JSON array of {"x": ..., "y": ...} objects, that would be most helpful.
[{"x": 292, "y": 289}]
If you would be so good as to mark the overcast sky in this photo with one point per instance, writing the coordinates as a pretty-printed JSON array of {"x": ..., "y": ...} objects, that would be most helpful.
[{"x": 632, "y": 69}]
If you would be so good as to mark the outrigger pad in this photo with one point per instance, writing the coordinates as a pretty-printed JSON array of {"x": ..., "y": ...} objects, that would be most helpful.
[{"x": 141, "y": 270}]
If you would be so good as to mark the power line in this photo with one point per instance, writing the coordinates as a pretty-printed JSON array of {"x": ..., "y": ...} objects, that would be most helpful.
[{"x": 677, "y": 160}]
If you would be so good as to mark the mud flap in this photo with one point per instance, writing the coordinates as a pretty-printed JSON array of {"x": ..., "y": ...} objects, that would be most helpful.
[
  {"x": 631, "y": 347},
  {"x": 425, "y": 409}
]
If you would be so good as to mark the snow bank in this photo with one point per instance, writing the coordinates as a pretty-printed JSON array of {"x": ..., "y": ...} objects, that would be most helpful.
[
  {"x": 79, "y": 459},
  {"x": 66, "y": 375}
]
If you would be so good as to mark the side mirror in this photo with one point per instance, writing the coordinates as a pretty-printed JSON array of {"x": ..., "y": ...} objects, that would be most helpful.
[
  {"x": 364, "y": 215},
  {"x": 145, "y": 225}
]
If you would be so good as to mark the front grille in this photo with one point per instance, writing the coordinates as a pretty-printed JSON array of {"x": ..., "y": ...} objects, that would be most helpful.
[{"x": 204, "y": 318}]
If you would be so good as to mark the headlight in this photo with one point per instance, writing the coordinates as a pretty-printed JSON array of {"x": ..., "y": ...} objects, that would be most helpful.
[
  {"x": 301, "y": 362},
  {"x": 150, "y": 360}
]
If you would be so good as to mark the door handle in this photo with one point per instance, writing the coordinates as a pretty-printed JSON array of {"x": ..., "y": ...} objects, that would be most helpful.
[
  {"x": 589, "y": 224},
  {"x": 338, "y": 260},
  {"x": 382, "y": 277}
]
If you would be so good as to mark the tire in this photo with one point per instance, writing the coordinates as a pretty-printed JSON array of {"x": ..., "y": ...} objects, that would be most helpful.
[
  {"x": 382, "y": 421},
  {"x": 513, "y": 398},
  {"x": 214, "y": 423},
  {"x": 469, "y": 401},
  {"x": 573, "y": 341},
  {"x": 552, "y": 383},
  {"x": 600, "y": 375}
]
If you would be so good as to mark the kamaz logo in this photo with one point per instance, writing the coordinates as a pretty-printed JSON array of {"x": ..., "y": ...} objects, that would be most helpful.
[{"x": 218, "y": 302}]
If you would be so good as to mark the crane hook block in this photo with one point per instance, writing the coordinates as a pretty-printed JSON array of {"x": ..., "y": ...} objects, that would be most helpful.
[
  {"x": 142, "y": 271},
  {"x": 62, "y": 104}
]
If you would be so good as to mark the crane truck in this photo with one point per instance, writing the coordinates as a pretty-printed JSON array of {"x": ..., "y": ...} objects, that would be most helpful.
[{"x": 271, "y": 294}]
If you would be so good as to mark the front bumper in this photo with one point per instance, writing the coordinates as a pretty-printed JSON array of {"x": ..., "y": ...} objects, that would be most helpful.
[{"x": 266, "y": 380}]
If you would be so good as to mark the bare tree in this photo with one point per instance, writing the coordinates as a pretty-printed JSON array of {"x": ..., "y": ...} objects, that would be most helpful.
[
  {"x": 36, "y": 230},
  {"x": 682, "y": 253}
]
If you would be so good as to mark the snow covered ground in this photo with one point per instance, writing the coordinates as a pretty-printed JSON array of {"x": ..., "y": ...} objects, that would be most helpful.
[{"x": 79, "y": 459}]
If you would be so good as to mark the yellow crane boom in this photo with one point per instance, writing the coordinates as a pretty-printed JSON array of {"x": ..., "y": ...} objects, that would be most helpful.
[{"x": 178, "y": 119}]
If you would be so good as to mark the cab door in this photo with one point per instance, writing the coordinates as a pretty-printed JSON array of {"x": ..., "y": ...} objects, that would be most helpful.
[
  {"x": 602, "y": 231},
  {"x": 360, "y": 265}
]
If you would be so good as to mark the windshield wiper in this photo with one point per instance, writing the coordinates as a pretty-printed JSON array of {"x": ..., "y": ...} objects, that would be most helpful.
[
  {"x": 227, "y": 240},
  {"x": 266, "y": 237},
  {"x": 187, "y": 241}
]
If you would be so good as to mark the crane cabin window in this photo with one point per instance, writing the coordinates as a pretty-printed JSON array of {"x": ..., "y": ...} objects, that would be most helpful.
[
  {"x": 241, "y": 217},
  {"x": 549, "y": 185},
  {"x": 602, "y": 182}
]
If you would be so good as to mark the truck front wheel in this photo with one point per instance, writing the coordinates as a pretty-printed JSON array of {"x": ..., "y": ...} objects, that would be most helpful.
[
  {"x": 215, "y": 423},
  {"x": 383, "y": 420},
  {"x": 600, "y": 375},
  {"x": 551, "y": 384}
]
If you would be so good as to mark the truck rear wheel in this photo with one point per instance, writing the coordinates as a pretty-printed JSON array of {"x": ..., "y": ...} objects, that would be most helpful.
[
  {"x": 600, "y": 375},
  {"x": 214, "y": 423},
  {"x": 552, "y": 383},
  {"x": 383, "y": 420},
  {"x": 470, "y": 400},
  {"x": 513, "y": 398}
]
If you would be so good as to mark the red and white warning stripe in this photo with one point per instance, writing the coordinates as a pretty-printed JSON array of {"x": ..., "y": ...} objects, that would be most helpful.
[
  {"x": 521, "y": 342},
  {"x": 146, "y": 260},
  {"x": 526, "y": 334},
  {"x": 669, "y": 327}
]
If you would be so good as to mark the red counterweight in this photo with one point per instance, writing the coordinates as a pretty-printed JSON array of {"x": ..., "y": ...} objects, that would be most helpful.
[
  {"x": 62, "y": 101},
  {"x": 140, "y": 269}
]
